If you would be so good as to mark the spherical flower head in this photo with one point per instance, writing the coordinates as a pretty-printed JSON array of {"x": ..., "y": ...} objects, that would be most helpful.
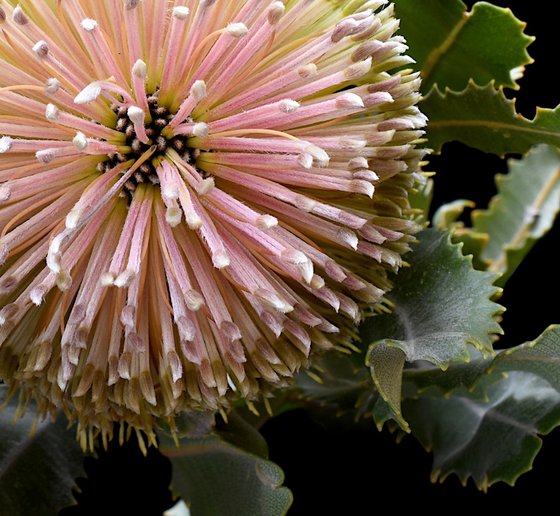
[{"x": 193, "y": 206}]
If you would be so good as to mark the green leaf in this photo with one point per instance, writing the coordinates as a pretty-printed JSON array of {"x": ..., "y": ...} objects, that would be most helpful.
[
  {"x": 524, "y": 210},
  {"x": 446, "y": 216},
  {"x": 459, "y": 374},
  {"x": 441, "y": 304},
  {"x": 452, "y": 45},
  {"x": 473, "y": 243},
  {"x": 482, "y": 117},
  {"x": 387, "y": 364},
  {"x": 215, "y": 476},
  {"x": 487, "y": 427},
  {"x": 37, "y": 469}
]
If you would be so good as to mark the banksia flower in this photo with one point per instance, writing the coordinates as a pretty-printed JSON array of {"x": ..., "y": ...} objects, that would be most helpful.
[{"x": 194, "y": 196}]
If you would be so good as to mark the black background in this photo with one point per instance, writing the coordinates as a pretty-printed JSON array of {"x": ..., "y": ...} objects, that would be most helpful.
[{"x": 356, "y": 470}]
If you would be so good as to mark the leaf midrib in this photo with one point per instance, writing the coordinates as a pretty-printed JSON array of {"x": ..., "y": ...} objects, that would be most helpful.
[
  {"x": 518, "y": 240},
  {"x": 496, "y": 125},
  {"x": 434, "y": 57}
]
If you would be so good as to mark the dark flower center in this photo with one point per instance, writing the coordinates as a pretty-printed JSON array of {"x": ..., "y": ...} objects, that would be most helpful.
[{"x": 160, "y": 117}]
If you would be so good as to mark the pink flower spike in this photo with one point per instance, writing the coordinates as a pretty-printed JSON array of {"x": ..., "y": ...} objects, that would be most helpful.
[{"x": 197, "y": 198}]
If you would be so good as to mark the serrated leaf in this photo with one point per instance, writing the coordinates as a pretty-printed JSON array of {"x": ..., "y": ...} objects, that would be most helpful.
[
  {"x": 482, "y": 117},
  {"x": 37, "y": 470},
  {"x": 216, "y": 476},
  {"x": 441, "y": 305},
  {"x": 473, "y": 243},
  {"x": 451, "y": 45},
  {"x": 489, "y": 431},
  {"x": 524, "y": 210},
  {"x": 459, "y": 374}
]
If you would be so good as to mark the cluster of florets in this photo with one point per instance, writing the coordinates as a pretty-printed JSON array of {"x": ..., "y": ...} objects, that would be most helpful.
[{"x": 194, "y": 205}]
